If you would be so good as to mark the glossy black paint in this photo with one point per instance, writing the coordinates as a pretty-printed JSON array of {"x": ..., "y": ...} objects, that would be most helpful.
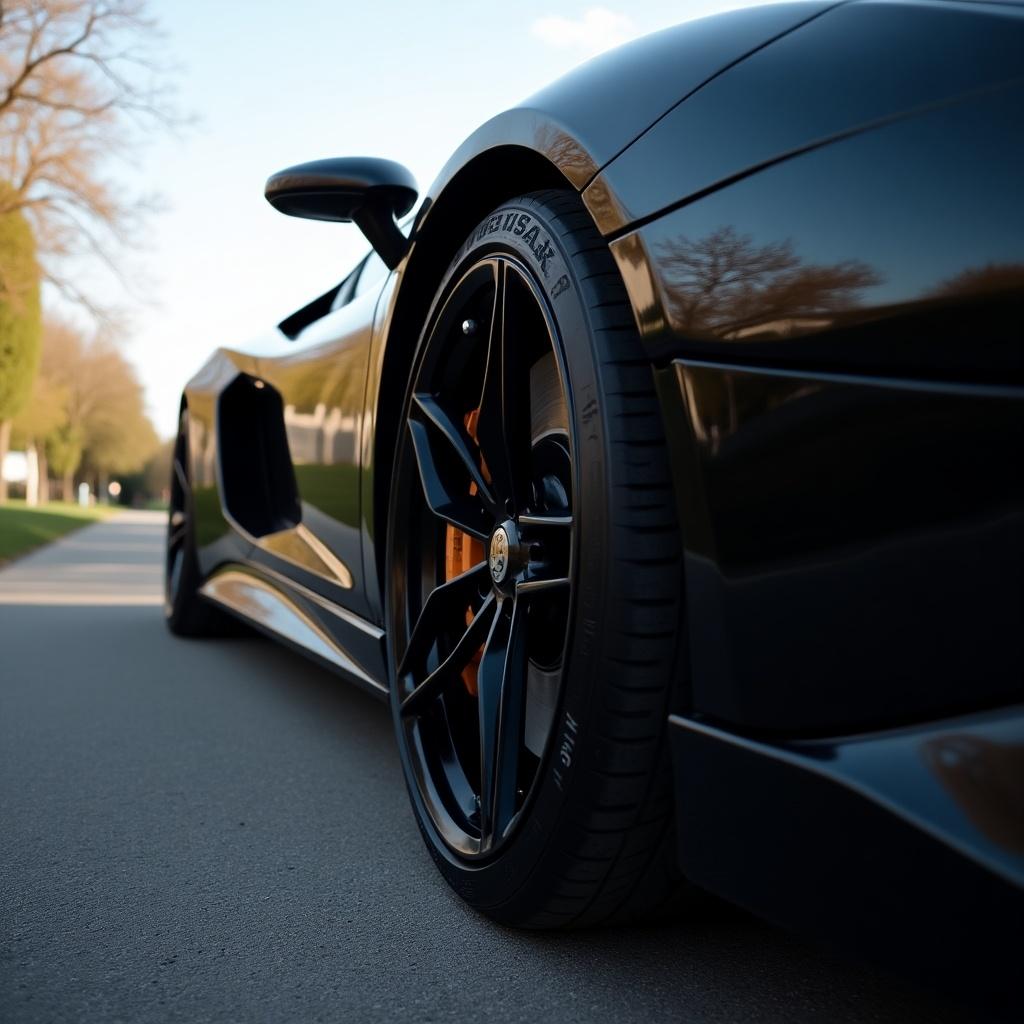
[
  {"x": 816, "y": 212},
  {"x": 854, "y": 547},
  {"x": 321, "y": 377},
  {"x": 907, "y": 845},
  {"x": 896, "y": 251},
  {"x": 859, "y": 64}
]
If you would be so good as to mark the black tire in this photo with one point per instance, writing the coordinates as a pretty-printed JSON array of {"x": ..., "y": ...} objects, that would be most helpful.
[
  {"x": 590, "y": 833},
  {"x": 185, "y": 610}
]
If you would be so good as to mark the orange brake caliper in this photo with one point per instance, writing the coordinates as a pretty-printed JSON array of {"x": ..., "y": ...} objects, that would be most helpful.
[{"x": 462, "y": 552}]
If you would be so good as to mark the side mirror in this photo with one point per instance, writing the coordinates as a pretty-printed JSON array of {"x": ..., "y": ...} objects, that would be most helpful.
[{"x": 368, "y": 191}]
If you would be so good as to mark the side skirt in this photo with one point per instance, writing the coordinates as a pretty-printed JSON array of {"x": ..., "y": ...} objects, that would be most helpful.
[
  {"x": 906, "y": 845},
  {"x": 334, "y": 637}
]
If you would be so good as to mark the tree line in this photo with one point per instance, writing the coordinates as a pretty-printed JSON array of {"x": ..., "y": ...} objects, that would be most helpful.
[
  {"x": 80, "y": 84},
  {"x": 84, "y": 416}
]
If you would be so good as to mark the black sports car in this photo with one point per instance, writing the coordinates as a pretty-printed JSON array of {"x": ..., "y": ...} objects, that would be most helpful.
[{"x": 665, "y": 471}]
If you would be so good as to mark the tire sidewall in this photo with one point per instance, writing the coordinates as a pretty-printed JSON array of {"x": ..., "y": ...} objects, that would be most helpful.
[
  {"x": 185, "y": 611},
  {"x": 176, "y": 604}
]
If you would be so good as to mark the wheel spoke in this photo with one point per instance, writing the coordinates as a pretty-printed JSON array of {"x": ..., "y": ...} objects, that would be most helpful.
[
  {"x": 503, "y": 427},
  {"x": 542, "y": 520},
  {"x": 501, "y": 684},
  {"x": 181, "y": 476},
  {"x": 177, "y": 522},
  {"x": 451, "y": 597},
  {"x": 177, "y": 534},
  {"x": 174, "y": 571},
  {"x": 468, "y": 644},
  {"x": 459, "y": 442},
  {"x": 540, "y": 585},
  {"x": 466, "y": 512}
]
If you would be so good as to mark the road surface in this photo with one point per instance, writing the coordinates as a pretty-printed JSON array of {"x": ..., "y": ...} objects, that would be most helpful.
[{"x": 218, "y": 831}]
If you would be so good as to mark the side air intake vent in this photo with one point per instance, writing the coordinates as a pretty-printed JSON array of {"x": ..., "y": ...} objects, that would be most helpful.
[{"x": 260, "y": 493}]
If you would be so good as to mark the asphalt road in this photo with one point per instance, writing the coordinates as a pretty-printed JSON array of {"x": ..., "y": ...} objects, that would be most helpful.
[{"x": 218, "y": 831}]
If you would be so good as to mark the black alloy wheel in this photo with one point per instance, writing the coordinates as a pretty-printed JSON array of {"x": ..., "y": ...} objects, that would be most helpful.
[
  {"x": 490, "y": 361},
  {"x": 178, "y": 514},
  {"x": 501, "y": 522},
  {"x": 186, "y": 612}
]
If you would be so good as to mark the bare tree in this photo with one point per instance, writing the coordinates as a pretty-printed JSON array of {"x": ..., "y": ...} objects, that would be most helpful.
[
  {"x": 79, "y": 82},
  {"x": 725, "y": 283},
  {"x": 984, "y": 280}
]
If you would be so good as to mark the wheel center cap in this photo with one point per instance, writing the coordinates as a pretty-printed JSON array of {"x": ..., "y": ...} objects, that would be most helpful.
[{"x": 498, "y": 554}]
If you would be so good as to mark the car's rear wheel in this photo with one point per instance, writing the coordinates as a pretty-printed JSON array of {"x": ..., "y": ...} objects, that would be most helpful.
[
  {"x": 185, "y": 611},
  {"x": 533, "y": 587}
]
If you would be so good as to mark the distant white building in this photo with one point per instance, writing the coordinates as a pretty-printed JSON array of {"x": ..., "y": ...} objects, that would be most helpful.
[
  {"x": 15, "y": 467},
  {"x": 23, "y": 468}
]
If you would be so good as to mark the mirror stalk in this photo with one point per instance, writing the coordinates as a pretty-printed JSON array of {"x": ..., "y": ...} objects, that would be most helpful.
[{"x": 381, "y": 231}]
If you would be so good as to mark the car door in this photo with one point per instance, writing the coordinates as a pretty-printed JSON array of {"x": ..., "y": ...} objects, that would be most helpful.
[{"x": 321, "y": 378}]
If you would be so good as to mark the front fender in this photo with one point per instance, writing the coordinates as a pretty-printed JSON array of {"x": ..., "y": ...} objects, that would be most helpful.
[{"x": 587, "y": 117}]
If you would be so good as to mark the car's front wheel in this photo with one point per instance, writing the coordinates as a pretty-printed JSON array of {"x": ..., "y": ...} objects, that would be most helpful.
[{"x": 534, "y": 581}]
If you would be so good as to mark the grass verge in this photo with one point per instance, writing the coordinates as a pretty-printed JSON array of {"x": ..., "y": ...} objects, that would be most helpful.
[{"x": 22, "y": 528}]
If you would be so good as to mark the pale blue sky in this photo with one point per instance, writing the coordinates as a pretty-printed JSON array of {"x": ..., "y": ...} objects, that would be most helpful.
[{"x": 275, "y": 83}]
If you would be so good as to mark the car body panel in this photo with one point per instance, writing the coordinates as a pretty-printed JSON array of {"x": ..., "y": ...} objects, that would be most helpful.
[
  {"x": 895, "y": 251},
  {"x": 852, "y": 545},
  {"x": 807, "y": 89},
  {"x": 322, "y": 380},
  {"x": 369, "y": 468},
  {"x": 907, "y": 845},
  {"x": 303, "y": 620}
]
